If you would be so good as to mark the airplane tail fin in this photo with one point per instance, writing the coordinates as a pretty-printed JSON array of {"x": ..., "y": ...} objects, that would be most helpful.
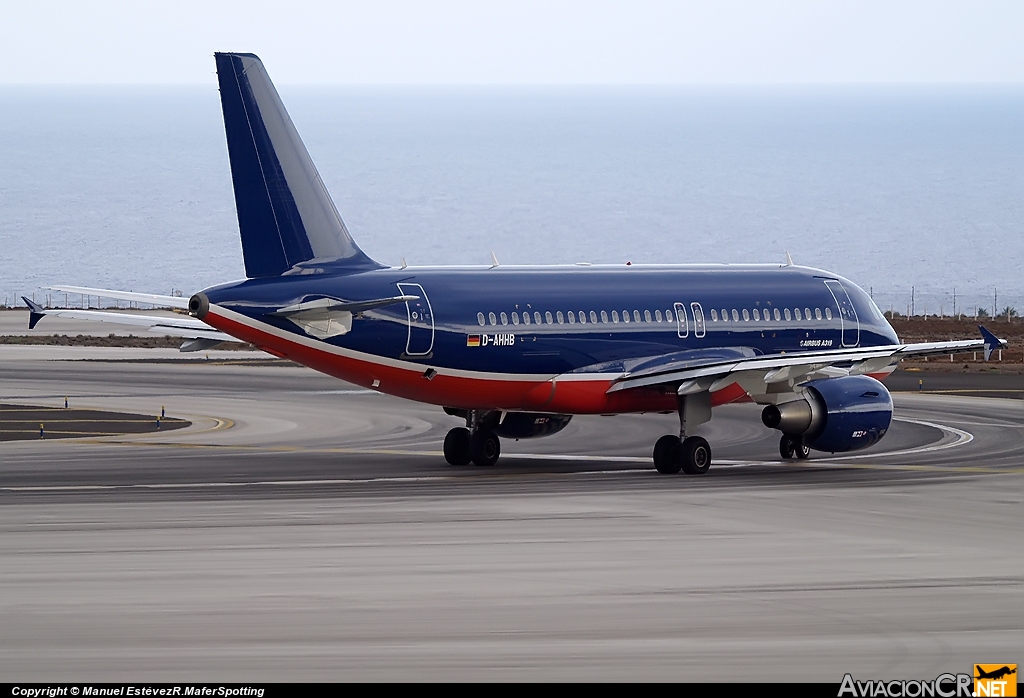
[{"x": 285, "y": 215}]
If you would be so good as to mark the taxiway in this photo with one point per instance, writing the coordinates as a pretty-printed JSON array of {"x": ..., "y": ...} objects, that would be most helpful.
[{"x": 302, "y": 528}]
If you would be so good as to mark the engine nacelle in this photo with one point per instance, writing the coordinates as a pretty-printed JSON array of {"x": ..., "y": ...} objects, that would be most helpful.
[
  {"x": 527, "y": 425},
  {"x": 836, "y": 414}
]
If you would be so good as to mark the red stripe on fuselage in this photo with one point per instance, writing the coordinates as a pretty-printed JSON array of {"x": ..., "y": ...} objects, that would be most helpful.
[{"x": 563, "y": 397}]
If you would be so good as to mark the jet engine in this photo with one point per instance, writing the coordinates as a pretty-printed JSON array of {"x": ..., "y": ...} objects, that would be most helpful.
[
  {"x": 835, "y": 414},
  {"x": 526, "y": 425},
  {"x": 518, "y": 425}
]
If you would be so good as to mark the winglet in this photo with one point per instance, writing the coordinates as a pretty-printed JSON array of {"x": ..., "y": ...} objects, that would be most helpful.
[
  {"x": 991, "y": 341},
  {"x": 789, "y": 260},
  {"x": 36, "y": 314},
  {"x": 494, "y": 260}
]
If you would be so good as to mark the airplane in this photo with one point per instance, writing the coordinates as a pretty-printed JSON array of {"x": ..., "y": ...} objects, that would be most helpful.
[
  {"x": 996, "y": 674},
  {"x": 517, "y": 351}
]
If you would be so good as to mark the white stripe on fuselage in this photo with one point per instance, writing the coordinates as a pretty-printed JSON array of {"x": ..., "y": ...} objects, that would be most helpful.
[{"x": 325, "y": 347}]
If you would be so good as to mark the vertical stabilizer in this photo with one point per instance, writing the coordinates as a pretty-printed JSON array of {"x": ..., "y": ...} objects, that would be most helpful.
[{"x": 285, "y": 215}]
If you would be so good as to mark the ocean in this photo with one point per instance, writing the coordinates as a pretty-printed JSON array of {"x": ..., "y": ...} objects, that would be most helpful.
[{"x": 914, "y": 193}]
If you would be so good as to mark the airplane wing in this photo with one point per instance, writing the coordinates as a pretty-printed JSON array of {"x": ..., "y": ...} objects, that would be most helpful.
[
  {"x": 167, "y": 301},
  {"x": 773, "y": 376},
  {"x": 198, "y": 334}
]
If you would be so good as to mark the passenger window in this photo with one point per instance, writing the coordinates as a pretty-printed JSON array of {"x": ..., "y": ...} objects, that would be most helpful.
[
  {"x": 746, "y": 315},
  {"x": 714, "y": 315},
  {"x": 547, "y": 317},
  {"x": 593, "y": 316},
  {"x": 796, "y": 313},
  {"x": 526, "y": 318},
  {"x": 828, "y": 313},
  {"x": 583, "y": 317},
  {"x": 668, "y": 316},
  {"x": 625, "y": 316},
  {"x": 788, "y": 316},
  {"x": 480, "y": 319},
  {"x": 604, "y": 316},
  {"x": 657, "y": 315},
  {"x": 615, "y": 316},
  {"x": 757, "y": 314},
  {"x": 735, "y": 315},
  {"x": 636, "y": 315},
  {"x": 504, "y": 319},
  {"x": 778, "y": 315},
  {"x": 492, "y": 318},
  {"x": 536, "y": 317},
  {"x": 572, "y": 317},
  {"x": 817, "y": 313},
  {"x": 807, "y": 313},
  {"x": 560, "y": 317},
  {"x": 515, "y": 318},
  {"x": 647, "y": 315}
]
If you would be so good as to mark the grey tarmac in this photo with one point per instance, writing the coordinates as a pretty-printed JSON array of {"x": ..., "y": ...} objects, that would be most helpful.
[{"x": 306, "y": 529}]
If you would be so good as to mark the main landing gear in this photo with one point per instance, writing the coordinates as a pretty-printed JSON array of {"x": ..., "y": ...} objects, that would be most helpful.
[
  {"x": 472, "y": 443},
  {"x": 790, "y": 446},
  {"x": 691, "y": 454}
]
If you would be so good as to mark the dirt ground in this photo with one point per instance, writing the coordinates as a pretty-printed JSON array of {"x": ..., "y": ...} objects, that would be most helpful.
[{"x": 936, "y": 329}]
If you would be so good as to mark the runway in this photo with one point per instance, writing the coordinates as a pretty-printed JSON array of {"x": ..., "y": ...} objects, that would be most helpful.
[{"x": 306, "y": 529}]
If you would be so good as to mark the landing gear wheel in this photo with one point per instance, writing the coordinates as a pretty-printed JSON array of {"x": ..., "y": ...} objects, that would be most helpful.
[
  {"x": 456, "y": 446},
  {"x": 484, "y": 448},
  {"x": 787, "y": 446},
  {"x": 802, "y": 450},
  {"x": 696, "y": 455},
  {"x": 668, "y": 455}
]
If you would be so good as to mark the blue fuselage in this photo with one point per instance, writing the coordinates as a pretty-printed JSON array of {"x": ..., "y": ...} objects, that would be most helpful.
[{"x": 561, "y": 319}]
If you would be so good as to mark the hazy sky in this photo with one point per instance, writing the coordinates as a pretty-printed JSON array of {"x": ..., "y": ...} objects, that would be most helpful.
[{"x": 491, "y": 41}]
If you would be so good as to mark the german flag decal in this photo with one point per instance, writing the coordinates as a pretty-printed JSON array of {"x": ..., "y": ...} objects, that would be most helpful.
[{"x": 473, "y": 340}]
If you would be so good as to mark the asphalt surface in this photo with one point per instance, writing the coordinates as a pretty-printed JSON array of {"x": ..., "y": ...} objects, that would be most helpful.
[
  {"x": 24, "y": 422},
  {"x": 302, "y": 528}
]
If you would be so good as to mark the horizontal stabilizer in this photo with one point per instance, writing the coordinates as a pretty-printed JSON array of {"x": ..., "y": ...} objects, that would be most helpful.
[
  {"x": 340, "y": 305},
  {"x": 172, "y": 324},
  {"x": 330, "y": 317}
]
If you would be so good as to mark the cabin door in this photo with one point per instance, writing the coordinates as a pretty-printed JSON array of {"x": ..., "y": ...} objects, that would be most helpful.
[
  {"x": 420, "y": 340},
  {"x": 848, "y": 319}
]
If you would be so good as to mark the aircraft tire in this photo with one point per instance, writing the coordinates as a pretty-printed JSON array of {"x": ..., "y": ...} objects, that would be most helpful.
[
  {"x": 696, "y": 455},
  {"x": 802, "y": 450},
  {"x": 668, "y": 455},
  {"x": 456, "y": 446},
  {"x": 787, "y": 446},
  {"x": 484, "y": 448}
]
